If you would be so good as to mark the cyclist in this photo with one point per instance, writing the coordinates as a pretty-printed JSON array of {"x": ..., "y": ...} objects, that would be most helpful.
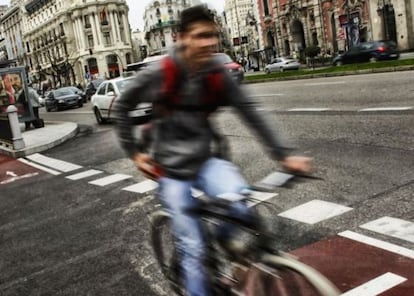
[{"x": 180, "y": 156}]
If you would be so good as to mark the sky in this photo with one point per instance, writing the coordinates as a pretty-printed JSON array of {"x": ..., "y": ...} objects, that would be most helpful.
[{"x": 137, "y": 8}]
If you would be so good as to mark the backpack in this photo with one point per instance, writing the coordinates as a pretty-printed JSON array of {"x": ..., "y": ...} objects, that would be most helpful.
[{"x": 170, "y": 91}]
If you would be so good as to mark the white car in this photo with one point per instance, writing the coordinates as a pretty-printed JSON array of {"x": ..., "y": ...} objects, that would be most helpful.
[
  {"x": 281, "y": 64},
  {"x": 102, "y": 102}
]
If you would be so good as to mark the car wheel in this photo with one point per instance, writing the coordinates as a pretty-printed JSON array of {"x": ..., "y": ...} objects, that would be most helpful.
[
  {"x": 80, "y": 104},
  {"x": 48, "y": 109},
  {"x": 338, "y": 63},
  {"x": 373, "y": 59},
  {"x": 98, "y": 116},
  {"x": 267, "y": 71}
]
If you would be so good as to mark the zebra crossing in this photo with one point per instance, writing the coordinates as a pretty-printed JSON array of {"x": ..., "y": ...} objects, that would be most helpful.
[{"x": 311, "y": 212}]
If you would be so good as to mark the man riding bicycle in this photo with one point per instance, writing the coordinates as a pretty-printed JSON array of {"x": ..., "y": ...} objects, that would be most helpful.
[{"x": 180, "y": 155}]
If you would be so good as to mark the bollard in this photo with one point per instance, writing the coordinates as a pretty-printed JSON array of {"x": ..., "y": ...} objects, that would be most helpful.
[{"x": 17, "y": 138}]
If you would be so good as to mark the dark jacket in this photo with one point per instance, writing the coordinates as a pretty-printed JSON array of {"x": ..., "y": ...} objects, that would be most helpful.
[{"x": 182, "y": 140}]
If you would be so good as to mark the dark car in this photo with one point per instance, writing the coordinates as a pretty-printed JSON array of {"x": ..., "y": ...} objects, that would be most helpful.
[
  {"x": 368, "y": 52},
  {"x": 235, "y": 69},
  {"x": 91, "y": 88},
  {"x": 62, "y": 98},
  {"x": 78, "y": 92}
]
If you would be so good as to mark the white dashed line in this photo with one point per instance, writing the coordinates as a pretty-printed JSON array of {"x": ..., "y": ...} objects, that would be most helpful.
[
  {"x": 315, "y": 211},
  {"x": 385, "y": 109},
  {"x": 308, "y": 109},
  {"x": 394, "y": 227},
  {"x": 110, "y": 179},
  {"x": 259, "y": 197},
  {"x": 324, "y": 83},
  {"x": 377, "y": 285},
  {"x": 378, "y": 243},
  {"x": 84, "y": 174},
  {"x": 53, "y": 163}
]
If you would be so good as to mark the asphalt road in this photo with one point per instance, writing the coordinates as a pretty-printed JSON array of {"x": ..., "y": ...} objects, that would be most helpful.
[{"x": 62, "y": 236}]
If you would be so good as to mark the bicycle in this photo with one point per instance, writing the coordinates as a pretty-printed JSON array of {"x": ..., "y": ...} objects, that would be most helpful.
[{"x": 257, "y": 269}]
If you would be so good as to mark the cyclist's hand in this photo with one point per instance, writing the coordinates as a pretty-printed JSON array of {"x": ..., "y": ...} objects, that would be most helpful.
[
  {"x": 297, "y": 164},
  {"x": 146, "y": 165}
]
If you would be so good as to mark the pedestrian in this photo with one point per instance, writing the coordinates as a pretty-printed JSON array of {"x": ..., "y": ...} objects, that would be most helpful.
[
  {"x": 179, "y": 155},
  {"x": 33, "y": 97}
]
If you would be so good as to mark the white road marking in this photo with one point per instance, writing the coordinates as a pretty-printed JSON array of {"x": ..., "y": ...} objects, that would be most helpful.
[
  {"x": 84, "y": 174},
  {"x": 315, "y": 211},
  {"x": 378, "y": 243},
  {"x": 377, "y": 285},
  {"x": 266, "y": 95},
  {"x": 324, "y": 83},
  {"x": 385, "y": 109},
  {"x": 394, "y": 227},
  {"x": 15, "y": 178},
  {"x": 110, "y": 179},
  {"x": 53, "y": 163},
  {"x": 259, "y": 197},
  {"x": 142, "y": 187},
  {"x": 308, "y": 109},
  {"x": 10, "y": 173},
  {"x": 38, "y": 166}
]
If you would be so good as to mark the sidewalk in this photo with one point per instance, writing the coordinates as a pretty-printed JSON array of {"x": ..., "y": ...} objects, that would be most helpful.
[{"x": 41, "y": 139}]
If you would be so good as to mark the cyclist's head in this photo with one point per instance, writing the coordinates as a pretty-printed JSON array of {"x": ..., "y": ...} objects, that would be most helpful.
[{"x": 198, "y": 34}]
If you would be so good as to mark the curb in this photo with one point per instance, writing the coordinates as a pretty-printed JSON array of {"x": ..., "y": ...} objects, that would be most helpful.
[{"x": 53, "y": 139}]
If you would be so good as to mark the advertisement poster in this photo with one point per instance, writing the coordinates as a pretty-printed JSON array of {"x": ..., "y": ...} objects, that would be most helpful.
[{"x": 13, "y": 90}]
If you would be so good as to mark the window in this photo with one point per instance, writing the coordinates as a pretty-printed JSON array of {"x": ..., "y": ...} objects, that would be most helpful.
[
  {"x": 101, "y": 90},
  {"x": 107, "y": 38},
  {"x": 87, "y": 21},
  {"x": 90, "y": 41},
  {"x": 110, "y": 88}
]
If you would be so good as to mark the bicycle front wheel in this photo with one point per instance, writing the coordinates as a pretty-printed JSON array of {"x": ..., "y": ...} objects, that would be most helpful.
[
  {"x": 285, "y": 276},
  {"x": 162, "y": 240}
]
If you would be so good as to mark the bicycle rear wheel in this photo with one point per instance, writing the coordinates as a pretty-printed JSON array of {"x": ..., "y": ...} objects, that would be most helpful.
[
  {"x": 162, "y": 240},
  {"x": 284, "y": 276}
]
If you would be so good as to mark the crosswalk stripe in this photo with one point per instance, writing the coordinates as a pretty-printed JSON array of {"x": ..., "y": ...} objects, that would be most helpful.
[
  {"x": 142, "y": 187},
  {"x": 377, "y": 285},
  {"x": 110, "y": 179},
  {"x": 308, "y": 109},
  {"x": 377, "y": 243},
  {"x": 53, "y": 163},
  {"x": 315, "y": 211},
  {"x": 85, "y": 174},
  {"x": 38, "y": 166},
  {"x": 258, "y": 197},
  {"x": 394, "y": 227}
]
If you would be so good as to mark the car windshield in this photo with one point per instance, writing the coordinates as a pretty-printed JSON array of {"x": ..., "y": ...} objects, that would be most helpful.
[
  {"x": 224, "y": 59},
  {"x": 63, "y": 92},
  {"x": 123, "y": 84}
]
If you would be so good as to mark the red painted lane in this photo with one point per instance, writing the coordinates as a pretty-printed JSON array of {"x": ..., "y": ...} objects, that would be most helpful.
[
  {"x": 11, "y": 168},
  {"x": 349, "y": 264}
]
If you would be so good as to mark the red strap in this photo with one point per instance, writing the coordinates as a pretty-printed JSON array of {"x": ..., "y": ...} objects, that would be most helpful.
[{"x": 170, "y": 80}]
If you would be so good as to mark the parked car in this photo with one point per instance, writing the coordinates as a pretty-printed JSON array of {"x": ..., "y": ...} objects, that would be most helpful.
[
  {"x": 282, "y": 64},
  {"x": 91, "y": 88},
  {"x": 368, "y": 52},
  {"x": 78, "y": 92},
  {"x": 62, "y": 98},
  {"x": 235, "y": 69},
  {"x": 102, "y": 101}
]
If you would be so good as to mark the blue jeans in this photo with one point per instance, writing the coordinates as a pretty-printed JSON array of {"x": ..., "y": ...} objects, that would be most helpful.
[{"x": 216, "y": 177}]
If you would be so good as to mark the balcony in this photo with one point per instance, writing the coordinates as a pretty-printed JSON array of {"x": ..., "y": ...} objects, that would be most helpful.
[{"x": 166, "y": 24}]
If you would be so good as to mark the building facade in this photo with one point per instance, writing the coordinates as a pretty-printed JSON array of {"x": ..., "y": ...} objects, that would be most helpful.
[
  {"x": 161, "y": 20},
  {"x": 12, "y": 28}
]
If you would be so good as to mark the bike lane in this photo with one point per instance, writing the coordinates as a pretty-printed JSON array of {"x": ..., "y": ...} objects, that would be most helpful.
[
  {"x": 12, "y": 170},
  {"x": 360, "y": 269}
]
